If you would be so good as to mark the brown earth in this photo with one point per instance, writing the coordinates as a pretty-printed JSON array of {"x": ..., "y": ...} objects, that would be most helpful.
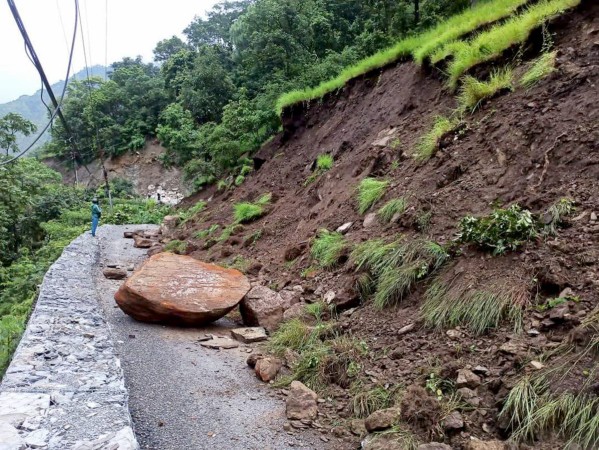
[{"x": 531, "y": 147}]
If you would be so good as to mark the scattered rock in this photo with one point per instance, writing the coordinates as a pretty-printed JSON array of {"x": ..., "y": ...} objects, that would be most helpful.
[
  {"x": 454, "y": 334},
  {"x": 179, "y": 289},
  {"x": 142, "y": 242},
  {"x": 345, "y": 227},
  {"x": 329, "y": 297},
  {"x": 434, "y": 446},
  {"x": 9, "y": 438},
  {"x": 593, "y": 217},
  {"x": 357, "y": 427},
  {"x": 114, "y": 274},
  {"x": 169, "y": 223},
  {"x": 481, "y": 370},
  {"x": 382, "y": 442},
  {"x": 469, "y": 396},
  {"x": 155, "y": 249},
  {"x": 537, "y": 365},
  {"x": 513, "y": 348},
  {"x": 558, "y": 314},
  {"x": 220, "y": 342},
  {"x": 382, "y": 419},
  {"x": 295, "y": 311},
  {"x": 249, "y": 335},
  {"x": 253, "y": 359},
  {"x": 453, "y": 421},
  {"x": 301, "y": 402},
  {"x": 37, "y": 438},
  {"x": 385, "y": 138},
  {"x": 264, "y": 307},
  {"x": 369, "y": 220},
  {"x": 406, "y": 329},
  {"x": 467, "y": 378},
  {"x": 476, "y": 444},
  {"x": 121, "y": 440},
  {"x": 128, "y": 234},
  {"x": 267, "y": 368},
  {"x": 292, "y": 253}
]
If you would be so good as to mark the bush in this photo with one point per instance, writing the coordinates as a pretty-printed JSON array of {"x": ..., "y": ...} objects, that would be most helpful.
[
  {"x": 502, "y": 230},
  {"x": 370, "y": 191}
]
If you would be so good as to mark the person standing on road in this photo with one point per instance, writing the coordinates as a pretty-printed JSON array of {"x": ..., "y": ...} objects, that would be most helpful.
[{"x": 96, "y": 214}]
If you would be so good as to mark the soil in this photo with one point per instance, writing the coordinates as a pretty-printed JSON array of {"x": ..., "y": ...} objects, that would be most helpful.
[{"x": 530, "y": 147}]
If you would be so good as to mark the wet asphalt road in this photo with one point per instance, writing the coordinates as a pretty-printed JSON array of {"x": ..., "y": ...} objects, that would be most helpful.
[{"x": 182, "y": 395}]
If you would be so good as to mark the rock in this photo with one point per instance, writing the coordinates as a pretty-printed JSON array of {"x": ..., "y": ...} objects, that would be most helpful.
[
  {"x": 454, "y": 334},
  {"x": 345, "y": 227},
  {"x": 434, "y": 446},
  {"x": 382, "y": 442},
  {"x": 406, "y": 329},
  {"x": 16, "y": 420},
  {"x": 329, "y": 297},
  {"x": 37, "y": 438},
  {"x": 385, "y": 138},
  {"x": 357, "y": 427},
  {"x": 537, "y": 365},
  {"x": 475, "y": 444},
  {"x": 115, "y": 274},
  {"x": 292, "y": 253},
  {"x": 9, "y": 438},
  {"x": 249, "y": 335},
  {"x": 155, "y": 249},
  {"x": 267, "y": 368},
  {"x": 567, "y": 293},
  {"x": 264, "y": 307},
  {"x": 467, "y": 378},
  {"x": 169, "y": 223},
  {"x": 369, "y": 220},
  {"x": 295, "y": 311},
  {"x": 469, "y": 396},
  {"x": 129, "y": 234},
  {"x": 253, "y": 359},
  {"x": 301, "y": 402},
  {"x": 179, "y": 289},
  {"x": 220, "y": 342},
  {"x": 382, "y": 419},
  {"x": 512, "y": 348},
  {"x": 559, "y": 313},
  {"x": 593, "y": 217},
  {"x": 142, "y": 242},
  {"x": 121, "y": 440},
  {"x": 453, "y": 421},
  {"x": 481, "y": 370}
]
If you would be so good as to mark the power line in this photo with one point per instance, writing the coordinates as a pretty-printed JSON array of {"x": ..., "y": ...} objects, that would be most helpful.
[{"x": 38, "y": 66}]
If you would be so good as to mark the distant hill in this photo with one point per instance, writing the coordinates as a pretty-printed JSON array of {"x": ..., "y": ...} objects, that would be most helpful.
[{"x": 32, "y": 108}]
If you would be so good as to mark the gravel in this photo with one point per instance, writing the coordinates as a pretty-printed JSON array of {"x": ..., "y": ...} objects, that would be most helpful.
[{"x": 181, "y": 395}]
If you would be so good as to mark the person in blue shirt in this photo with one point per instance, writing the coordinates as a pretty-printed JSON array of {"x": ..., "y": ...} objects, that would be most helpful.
[{"x": 96, "y": 214}]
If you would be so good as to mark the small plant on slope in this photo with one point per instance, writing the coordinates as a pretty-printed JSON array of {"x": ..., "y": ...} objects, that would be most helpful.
[
  {"x": 324, "y": 163},
  {"x": 473, "y": 91},
  {"x": 502, "y": 230},
  {"x": 554, "y": 217},
  {"x": 190, "y": 213},
  {"x": 391, "y": 208},
  {"x": 540, "y": 68},
  {"x": 328, "y": 248},
  {"x": 176, "y": 246},
  {"x": 370, "y": 191},
  {"x": 247, "y": 212},
  {"x": 429, "y": 143}
]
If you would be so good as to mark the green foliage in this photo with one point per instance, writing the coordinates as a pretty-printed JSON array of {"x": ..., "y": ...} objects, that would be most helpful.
[
  {"x": 391, "y": 208},
  {"x": 448, "y": 306},
  {"x": 370, "y": 191},
  {"x": 328, "y": 248},
  {"x": 247, "y": 212},
  {"x": 316, "y": 310},
  {"x": 202, "y": 234},
  {"x": 554, "y": 217},
  {"x": 176, "y": 246},
  {"x": 367, "y": 402},
  {"x": 473, "y": 91},
  {"x": 501, "y": 231},
  {"x": 190, "y": 213},
  {"x": 12, "y": 125},
  {"x": 294, "y": 335},
  {"x": 429, "y": 143},
  {"x": 324, "y": 162},
  {"x": 395, "y": 267},
  {"x": 540, "y": 68}
]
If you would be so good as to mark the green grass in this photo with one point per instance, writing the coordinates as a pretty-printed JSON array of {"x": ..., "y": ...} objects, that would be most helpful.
[
  {"x": 316, "y": 310},
  {"x": 370, "y": 191},
  {"x": 397, "y": 266},
  {"x": 418, "y": 46},
  {"x": 203, "y": 234},
  {"x": 293, "y": 334},
  {"x": 190, "y": 213},
  {"x": 176, "y": 246},
  {"x": 402, "y": 436},
  {"x": 555, "y": 215},
  {"x": 447, "y": 306},
  {"x": 328, "y": 247},
  {"x": 245, "y": 212},
  {"x": 429, "y": 143},
  {"x": 473, "y": 91},
  {"x": 367, "y": 402},
  {"x": 324, "y": 162},
  {"x": 391, "y": 208},
  {"x": 490, "y": 45},
  {"x": 540, "y": 68}
]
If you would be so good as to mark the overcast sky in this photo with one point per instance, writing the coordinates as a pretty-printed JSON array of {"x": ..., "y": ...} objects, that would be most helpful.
[{"x": 134, "y": 28}]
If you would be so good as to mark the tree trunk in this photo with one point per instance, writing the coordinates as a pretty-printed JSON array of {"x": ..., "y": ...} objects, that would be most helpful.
[{"x": 416, "y": 11}]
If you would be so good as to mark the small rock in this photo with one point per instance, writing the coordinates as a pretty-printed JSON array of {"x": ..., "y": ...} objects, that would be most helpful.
[
  {"x": 469, "y": 396},
  {"x": 559, "y": 313},
  {"x": 382, "y": 419},
  {"x": 219, "y": 342},
  {"x": 453, "y": 421},
  {"x": 128, "y": 234},
  {"x": 142, "y": 242},
  {"x": 434, "y": 446},
  {"x": 481, "y": 370},
  {"x": 37, "y": 438},
  {"x": 344, "y": 228},
  {"x": 357, "y": 427},
  {"x": 406, "y": 329},
  {"x": 467, "y": 378},
  {"x": 454, "y": 334},
  {"x": 476, "y": 444},
  {"x": 249, "y": 335},
  {"x": 253, "y": 359},
  {"x": 267, "y": 368},
  {"x": 369, "y": 220},
  {"x": 301, "y": 402},
  {"x": 9, "y": 437},
  {"x": 593, "y": 217},
  {"x": 512, "y": 348},
  {"x": 533, "y": 332},
  {"x": 329, "y": 297},
  {"x": 114, "y": 273},
  {"x": 537, "y": 365},
  {"x": 567, "y": 292}
]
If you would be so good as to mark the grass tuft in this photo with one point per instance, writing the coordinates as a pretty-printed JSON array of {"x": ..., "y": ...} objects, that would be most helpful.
[
  {"x": 391, "y": 208},
  {"x": 370, "y": 191},
  {"x": 367, "y": 402},
  {"x": 328, "y": 247},
  {"x": 190, "y": 213},
  {"x": 539, "y": 69},
  {"x": 473, "y": 92},
  {"x": 429, "y": 143},
  {"x": 293, "y": 334},
  {"x": 176, "y": 246},
  {"x": 245, "y": 212},
  {"x": 448, "y": 306},
  {"x": 324, "y": 162}
]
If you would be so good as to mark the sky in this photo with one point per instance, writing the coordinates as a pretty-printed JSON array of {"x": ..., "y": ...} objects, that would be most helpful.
[{"x": 134, "y": 27}]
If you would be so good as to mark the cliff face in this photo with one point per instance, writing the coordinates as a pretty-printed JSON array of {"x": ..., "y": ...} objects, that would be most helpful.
[{"x": 531, "y": 147}]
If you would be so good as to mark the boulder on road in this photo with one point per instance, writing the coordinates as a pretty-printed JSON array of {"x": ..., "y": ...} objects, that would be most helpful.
[
  {"x": 113, "y": 273},
  {"x": 301, "y": 402},
  {"x": 142, "y": 242},
  {"x": 181, "y": 290},
  {"x": 267, "y": 368}
]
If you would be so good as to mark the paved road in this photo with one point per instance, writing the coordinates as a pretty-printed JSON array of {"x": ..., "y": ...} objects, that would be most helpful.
[{"x": 182, "y": 395}]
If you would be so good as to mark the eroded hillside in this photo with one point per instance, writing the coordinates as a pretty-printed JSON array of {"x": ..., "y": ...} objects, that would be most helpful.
[{"x": 450, "y": 333}]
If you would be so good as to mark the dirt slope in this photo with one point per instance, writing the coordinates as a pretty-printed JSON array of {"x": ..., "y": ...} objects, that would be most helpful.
[{"x": 530, "y": 147}]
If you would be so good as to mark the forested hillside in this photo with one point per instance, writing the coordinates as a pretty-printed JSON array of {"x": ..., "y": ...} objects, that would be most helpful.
[{"x": 211, "y": 99}]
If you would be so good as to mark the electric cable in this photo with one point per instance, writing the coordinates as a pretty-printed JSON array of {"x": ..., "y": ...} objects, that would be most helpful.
[{"x": 56, "y": 110}]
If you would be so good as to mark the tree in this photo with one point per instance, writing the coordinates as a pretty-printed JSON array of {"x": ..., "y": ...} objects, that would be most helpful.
[
  {"x": 11, "y": 125},
  {"x": 167, "y": 48}
]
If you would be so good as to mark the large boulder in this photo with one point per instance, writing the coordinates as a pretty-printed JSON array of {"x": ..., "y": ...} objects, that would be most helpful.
[
  {"x": 179, "y": 289},
  {"x": 265, "y": 308},
  {"x": 301, "y": 402}
]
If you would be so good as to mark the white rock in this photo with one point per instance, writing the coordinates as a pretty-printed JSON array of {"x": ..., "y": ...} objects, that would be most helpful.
[
  {"x": 369, "y": 220},
  {"x": 38, "y": 438},
  {"x": 329, "y": 297},
  {"x": 9, "y": 438},
  {"x": 344, "y": 228}
]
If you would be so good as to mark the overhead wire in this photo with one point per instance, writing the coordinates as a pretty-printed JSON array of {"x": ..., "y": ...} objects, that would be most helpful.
[{"x": 64, "y": 89}]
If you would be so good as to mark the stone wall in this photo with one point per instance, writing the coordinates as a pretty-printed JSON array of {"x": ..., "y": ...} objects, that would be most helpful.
[{"x": 64, "y": 388}]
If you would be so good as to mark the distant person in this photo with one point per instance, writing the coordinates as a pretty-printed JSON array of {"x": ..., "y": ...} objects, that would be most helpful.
[{"x": 96, "y": 214}]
